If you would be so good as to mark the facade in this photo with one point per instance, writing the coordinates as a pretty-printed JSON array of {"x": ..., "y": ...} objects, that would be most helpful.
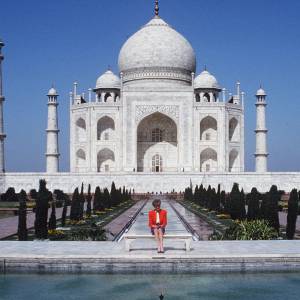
[{"x": 157, "y": 116}]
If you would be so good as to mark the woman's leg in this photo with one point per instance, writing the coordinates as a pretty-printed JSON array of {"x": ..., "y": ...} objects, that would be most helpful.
[
  {"x": 156, "y": 234},
  {"x": 161, "y": 239}
]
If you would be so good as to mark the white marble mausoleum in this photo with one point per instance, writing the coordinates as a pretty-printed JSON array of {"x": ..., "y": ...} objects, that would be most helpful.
[{"x": 157, "y": 116}]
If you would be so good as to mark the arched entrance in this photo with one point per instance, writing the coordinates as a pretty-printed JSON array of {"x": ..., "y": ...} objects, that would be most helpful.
[
  {"x": 157, "y": 146},
  {"x": 208, "y": 160}
]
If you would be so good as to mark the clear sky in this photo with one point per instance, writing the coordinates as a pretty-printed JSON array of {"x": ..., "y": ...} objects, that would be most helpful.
[{"x": 61, "y": 41}]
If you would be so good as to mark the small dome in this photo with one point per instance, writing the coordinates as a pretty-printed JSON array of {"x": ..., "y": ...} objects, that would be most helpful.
[
  {"x": 108, "y": 81},
  {"x": 52, "y": 92},
  {"x": 261, "y": 92},
  {"x": 155, "y": 46},
  {"x": 206, "y": 81}
]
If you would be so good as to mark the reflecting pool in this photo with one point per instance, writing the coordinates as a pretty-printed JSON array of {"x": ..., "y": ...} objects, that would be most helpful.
[{"x": 143, "y": 287}]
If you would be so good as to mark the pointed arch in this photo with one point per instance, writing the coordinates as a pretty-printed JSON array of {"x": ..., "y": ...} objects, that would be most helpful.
[
  {"x": 233, "y": 130},
  {"x": 157, "y": 134},
  {"x": 206, "y": 97},
  {"x": 208, "y": 129},
  {"x": 105, "y": 128},
  {"x": 80, "y": 160},
  {"x": 208, "y": 160},
  {"x": 105, "y": 160},
  {"x": 233, "y": 161},
  {"x": 80, "y": 130}
]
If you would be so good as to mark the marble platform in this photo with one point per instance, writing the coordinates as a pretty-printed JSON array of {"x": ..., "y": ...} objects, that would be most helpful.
[{"x": 111, "y": 257}]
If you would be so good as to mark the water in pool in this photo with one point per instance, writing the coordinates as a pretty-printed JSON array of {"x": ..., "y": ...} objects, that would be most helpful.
[{"x": 143, "y": 287}]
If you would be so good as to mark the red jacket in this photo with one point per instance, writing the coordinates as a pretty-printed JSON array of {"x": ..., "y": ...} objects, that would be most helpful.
[{"x": 162, "y": 218}]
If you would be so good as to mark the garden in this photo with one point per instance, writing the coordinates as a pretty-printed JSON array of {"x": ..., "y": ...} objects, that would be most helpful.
[
  {"x": 240, "y": 216},
  {"x": 81, "y": 216}
]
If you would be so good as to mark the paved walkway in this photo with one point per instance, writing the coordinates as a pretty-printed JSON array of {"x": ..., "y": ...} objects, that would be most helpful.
[
  {"x": 111, "y": 257},
  {"x": 174, "y": 225},
  {"x": 117, "y": 224}
]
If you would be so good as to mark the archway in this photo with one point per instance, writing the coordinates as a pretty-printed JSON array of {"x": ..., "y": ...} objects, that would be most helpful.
[
  {"x": 208, "y": 129},
  {"x": 105, "y": 129},
  {"x": 233, "y": 130},
  {"x": 80, "y": 130},
  {"x": 233, "y": 161},
  {"x": 157, "y": 135},
  {"x": 80, "y": 160},
  {"x": 208, "y": 160},
  {"x": 105, "y": 160}
]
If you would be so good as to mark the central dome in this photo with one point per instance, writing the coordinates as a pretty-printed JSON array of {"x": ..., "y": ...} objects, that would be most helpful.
[{"x": 159, "y": 49}]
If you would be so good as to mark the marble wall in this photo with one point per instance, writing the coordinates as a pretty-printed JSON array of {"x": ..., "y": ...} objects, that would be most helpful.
[{"x": 149, "y": 182}]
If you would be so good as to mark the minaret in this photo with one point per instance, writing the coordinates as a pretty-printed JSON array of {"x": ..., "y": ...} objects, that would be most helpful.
[
  {"x": 2, "y": 134},
  {"x": 261, "y": 154},
  {"x": 52, "y": 154}
]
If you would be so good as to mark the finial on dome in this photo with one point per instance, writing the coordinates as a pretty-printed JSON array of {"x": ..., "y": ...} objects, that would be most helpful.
[
  {"x": 156, "y": 8},
  {"x": 205, "y": 68}
]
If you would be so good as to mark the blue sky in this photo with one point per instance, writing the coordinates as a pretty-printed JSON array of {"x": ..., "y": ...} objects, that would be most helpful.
[{"x": 61, "y": 41}]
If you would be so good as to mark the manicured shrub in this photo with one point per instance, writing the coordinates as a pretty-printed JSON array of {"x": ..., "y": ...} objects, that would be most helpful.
[
  {"x": 64, "y": 214},
  {"x": 89, "y": 202},
  {"x": 41, "y": 211},
  {"x": 253, "y": 205},
  {"x": 82, "y": 201},
  {"x": 107, "y": 203},
  {"x": 22, "y": 225},
  {"x": 269, "y": 208},
  {"x": 75, "y": 206},
  {"x": 250, "y": 230},
  {"x": 98, "y": 200},
  {"x": 237, "y": 204},
  {"x": 10, "y": 195},
  {"x": 33, "y": 194},
  {"x": 112, "y": 198},
  {"x": 52, "y": 220},
  {"x": 292, "y": 214}
]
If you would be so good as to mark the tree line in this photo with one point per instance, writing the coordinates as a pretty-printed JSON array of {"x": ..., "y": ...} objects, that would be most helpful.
[
  {"x": 81, "y": 204},
  {"x": 261, "y": 206}
]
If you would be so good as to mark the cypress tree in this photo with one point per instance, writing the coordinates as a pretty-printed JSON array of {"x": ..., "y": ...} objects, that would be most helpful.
[
  {"x": 197, "y": 195},
  {"x": 270, "y": 207},
  {"x": 75, "y": 206},
  {"x": 89, "y": 202},
  {"x": 106, "y": 198},
  {"x": 111, "y": 200},
  {"x": 223, "y": 199},
  {"x": 64, "y": 214},
  {"x": 218, "y": 198},
  {"x": 253, "y": 205},
  {"x": 292, "y": 214},
  {"x": 98, "y": 200},
  {"x": 237, "y": 204},
  {"x": 52, "y": 220},
  {"x": 82, "y": 201},
  {"x": 41, "y": 211},
  {"x": 22, "y": 226}
]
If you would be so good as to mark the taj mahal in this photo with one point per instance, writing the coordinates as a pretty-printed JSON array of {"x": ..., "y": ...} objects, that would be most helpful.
[{"x": 154, "y": 126}]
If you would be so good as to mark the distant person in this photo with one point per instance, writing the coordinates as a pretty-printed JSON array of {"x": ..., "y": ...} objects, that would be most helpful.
[{"x": 158, "y": 223}]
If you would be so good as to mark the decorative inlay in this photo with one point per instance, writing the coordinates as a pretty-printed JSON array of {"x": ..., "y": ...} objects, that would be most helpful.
[{"x": 144, "y": 110}]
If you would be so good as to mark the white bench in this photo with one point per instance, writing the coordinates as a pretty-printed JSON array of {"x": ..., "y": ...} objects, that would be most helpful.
[{"x": 187, "y": 238}]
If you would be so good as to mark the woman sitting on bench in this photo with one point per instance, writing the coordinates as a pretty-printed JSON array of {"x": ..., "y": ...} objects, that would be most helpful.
[{"x": 158, "y": 223}]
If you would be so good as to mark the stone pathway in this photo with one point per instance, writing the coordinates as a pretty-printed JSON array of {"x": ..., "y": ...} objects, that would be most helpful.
[
  {"x": 117, "y": 224},
  {"x": 202, "y": 229}
]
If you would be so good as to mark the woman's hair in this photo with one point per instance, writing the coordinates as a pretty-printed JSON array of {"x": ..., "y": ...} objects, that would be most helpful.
[{"x": 156, "y": 202}]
